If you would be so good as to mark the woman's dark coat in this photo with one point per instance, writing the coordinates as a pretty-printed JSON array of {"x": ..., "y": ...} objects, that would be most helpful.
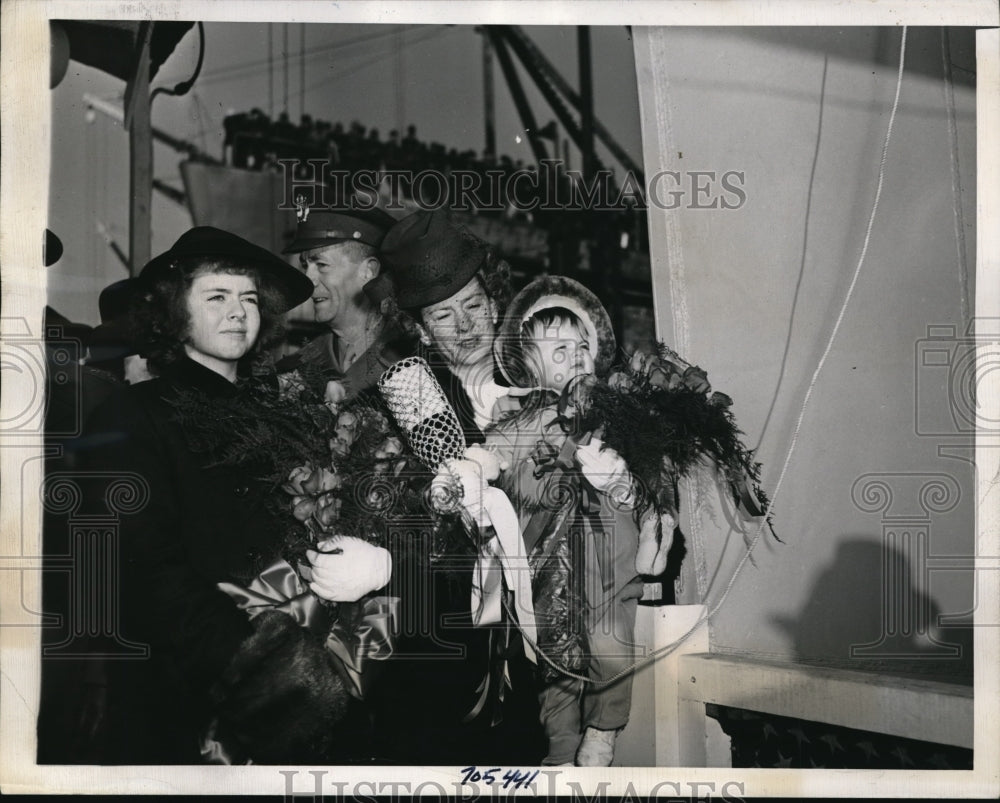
[{"x": 270, "y": 684}]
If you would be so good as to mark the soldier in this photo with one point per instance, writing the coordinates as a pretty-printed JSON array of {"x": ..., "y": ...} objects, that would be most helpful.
[{"x": 339, "y": 252}]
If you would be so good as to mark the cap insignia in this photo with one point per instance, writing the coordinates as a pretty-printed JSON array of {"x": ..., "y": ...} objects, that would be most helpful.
[{"x": 302, "y": 208}]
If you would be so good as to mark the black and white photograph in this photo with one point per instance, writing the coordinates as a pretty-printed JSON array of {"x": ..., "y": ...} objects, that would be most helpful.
[{"x": 499, "y": 399}]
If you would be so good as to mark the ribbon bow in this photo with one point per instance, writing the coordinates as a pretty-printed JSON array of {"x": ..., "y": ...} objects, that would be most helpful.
[
  {"x": 364, "y": 631},
  {"x": 279, "y": 588},
  {"x": 547, "y": 459}
]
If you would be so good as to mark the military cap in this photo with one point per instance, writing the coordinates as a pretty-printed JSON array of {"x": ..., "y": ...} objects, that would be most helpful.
[{"x": 318, "y": 228}]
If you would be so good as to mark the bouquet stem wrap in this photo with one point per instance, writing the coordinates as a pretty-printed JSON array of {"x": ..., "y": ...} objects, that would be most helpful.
[{"x": 422, "y": 411}]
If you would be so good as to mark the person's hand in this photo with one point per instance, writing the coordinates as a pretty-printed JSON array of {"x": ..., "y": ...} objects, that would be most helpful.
[
  {"x": 474, "y": 483},
  {"x": 631, "y": 590},
  {"x": 606, "y": 470},
  {"x": 344, "y": 568}
]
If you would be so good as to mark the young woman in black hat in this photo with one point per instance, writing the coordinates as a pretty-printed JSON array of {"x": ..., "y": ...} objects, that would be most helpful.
[{"x": 267, "y": 687}]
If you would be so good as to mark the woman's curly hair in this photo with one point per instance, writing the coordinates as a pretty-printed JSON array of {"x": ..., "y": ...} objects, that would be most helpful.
[
  {"x": 159, "y": 318},
  {"x": 493, "y": 276}
]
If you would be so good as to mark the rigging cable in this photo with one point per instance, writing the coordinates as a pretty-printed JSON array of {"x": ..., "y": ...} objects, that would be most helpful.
[
  {"x": 253, "y": 66},
  {"x": 302, "y": 69},
  {"x": 284, "y": 56},
  {"x": 378, "y": 58}
]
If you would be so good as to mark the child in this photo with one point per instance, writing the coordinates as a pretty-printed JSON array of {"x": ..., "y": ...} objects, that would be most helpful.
[{"x": 574, "y": 500}]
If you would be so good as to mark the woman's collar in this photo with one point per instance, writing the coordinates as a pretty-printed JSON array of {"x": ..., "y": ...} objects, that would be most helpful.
[{"x": 190, "y": 372}]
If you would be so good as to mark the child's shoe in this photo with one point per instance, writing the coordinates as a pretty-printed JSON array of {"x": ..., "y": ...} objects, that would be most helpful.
[{"x": 597, "y": 748}]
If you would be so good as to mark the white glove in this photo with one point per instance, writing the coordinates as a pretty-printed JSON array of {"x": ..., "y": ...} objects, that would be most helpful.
[
  {"x": 606, "y": 470},
  {"x": 474, "y": 484},
  {"x": 344, "y": 568}
]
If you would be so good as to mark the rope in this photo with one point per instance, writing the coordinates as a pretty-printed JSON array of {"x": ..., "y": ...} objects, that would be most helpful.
[
  {"x": 956, "y": 175},
  {"x": 668, "y": 648}
]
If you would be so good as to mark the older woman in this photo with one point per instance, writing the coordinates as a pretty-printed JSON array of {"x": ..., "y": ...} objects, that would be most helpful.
[
  {"x": 475, "y": 702},
  {"x": 453, "y": 288},
  {"x": 208, "y": 307}
]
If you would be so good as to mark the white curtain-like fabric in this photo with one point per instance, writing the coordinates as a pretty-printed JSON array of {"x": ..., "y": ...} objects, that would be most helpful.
[{"x": 762, "y": 151}]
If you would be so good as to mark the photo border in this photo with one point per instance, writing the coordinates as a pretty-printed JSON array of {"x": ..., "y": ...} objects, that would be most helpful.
[{"x": 26, "y": 139}]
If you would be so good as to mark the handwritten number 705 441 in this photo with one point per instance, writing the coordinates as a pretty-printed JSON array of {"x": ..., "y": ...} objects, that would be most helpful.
[{"x": 512, "y": 779}]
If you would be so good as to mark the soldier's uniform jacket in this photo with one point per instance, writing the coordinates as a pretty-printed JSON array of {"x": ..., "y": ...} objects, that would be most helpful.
[{"x": 319, "y": 356}]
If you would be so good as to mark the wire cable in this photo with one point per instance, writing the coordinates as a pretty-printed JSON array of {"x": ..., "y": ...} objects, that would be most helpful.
[
  {"x": 378, "y": 58},
  {"x": 255, "y": 65}
]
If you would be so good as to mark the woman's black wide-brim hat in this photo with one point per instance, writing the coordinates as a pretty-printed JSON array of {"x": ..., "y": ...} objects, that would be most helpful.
[
  {"x": 209, "y": 242},
  {"x": 543, "y": 293}
]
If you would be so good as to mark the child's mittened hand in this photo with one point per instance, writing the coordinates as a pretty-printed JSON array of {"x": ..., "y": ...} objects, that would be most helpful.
[
  {"x": 606, "y": 470},
  {"x": 488, "y": 461},
  {"x": 656, "y": 534}
]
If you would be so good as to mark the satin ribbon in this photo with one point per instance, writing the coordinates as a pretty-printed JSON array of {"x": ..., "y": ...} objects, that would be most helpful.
[
  {"x": 497, "y": 676},
  {"x": 279, "y": 588},
  {"x": 748, "y": 498},
  {"x": 214, "y": 751},
  {"x": 548, "y": 459},
  {"x": 364, "y": 632},
  {"x": 507, "y": 548}
]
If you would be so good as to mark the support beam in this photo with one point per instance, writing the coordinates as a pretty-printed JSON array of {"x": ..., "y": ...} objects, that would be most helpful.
[
  {"x": 911, "y": 708},
  {"x": 182, "y": 146},
  {"x": 174, "y": 194},
  {"x": 112, "y": 244},
  {"x": 516, "y": 33},
  {"x": 586, "y": 101},
  {"x": 563, "y": 114},
  {"x": 139, "y": 125},
  {"x": 520, "y": 99},
  {"x": 489, "y": 101}
]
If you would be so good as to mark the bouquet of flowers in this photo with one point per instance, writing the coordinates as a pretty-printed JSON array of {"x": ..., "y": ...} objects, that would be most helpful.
[
  {"x": 327, "y": 467},
  {"x": 369, "y": 481},
  {"x": 662, "y": 416}
]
